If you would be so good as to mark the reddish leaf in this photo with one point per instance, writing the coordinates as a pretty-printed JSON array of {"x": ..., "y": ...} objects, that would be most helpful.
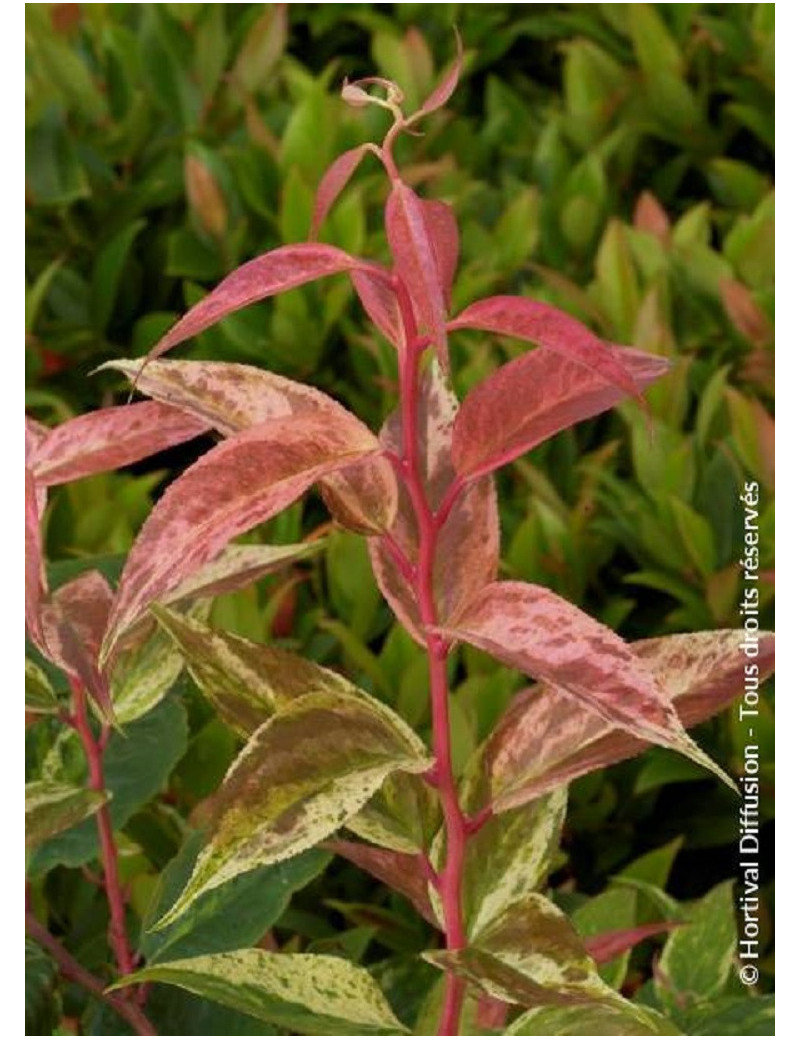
[
  {"x": 650, "y": 216},
  {"x": 380, "y": 302},
  {"x": 443, "y": 234},
  {"x": 232, "y": 488},
  {"x": 333, "y": 182},
  {"x": 110, "y": 438},
  {"x": 275, "y": 272},
  {"x": 399, "y": 870},
  {"x": 416, "y": 263},
  {"x": 469, "y": 541},
  {"x": 35, "y": 433},
  {"x": 73, "y": 622},
  {"x": 532, "y": 398},
  {"x": 744, "y": 313},
  {"x": 607, "y": 946},
  {"x": 531, "y": 628},
  {"x": 232, "y": 398},
  {"x": 550, "y": 328},
  {"x": 35, "y": 590},
  {"x": 444, "y": 91},
  {"x": 545, "y": 739}
]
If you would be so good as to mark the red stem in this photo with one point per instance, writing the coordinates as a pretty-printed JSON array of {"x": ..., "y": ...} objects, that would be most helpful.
[
  {"x": 93, "y": 749},
  {"x": 428, "y": 526},
  {"x": 75, "y": 972}
]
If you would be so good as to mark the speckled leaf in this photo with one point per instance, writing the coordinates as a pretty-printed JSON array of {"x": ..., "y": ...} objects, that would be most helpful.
[
  {"x": 608, "y": 1018},
  {"x": 468, "y": 545},
  {"x": 333, "y": 182},
  {"x": 143, "y": 675},
  {"x": 35, "y": 589},
  {"x": 232, "y": 398},
  {"x": 39, "y": 694},
  {"x": 305, "y": 993},
  {"x": 415, "y": 260},
  {"x": 232, "y": 488},
  {"x": 275, "y": 272},
  {"x": 301, "y": 776},
  {"x": 528, "y": 955},
  {"x": 403, "y": 815},
  {"x": 246, "y": 682},
  {"x": 53, "y": 807},
  {"x": 531, "y": 628},
  {"x": 532, "y": 398},
  {"x": 545, "y": 739},
  {"x": 110, "y": 438},
  {"x": 551, "y": 329},
  {"x": 399, "y": 870}
]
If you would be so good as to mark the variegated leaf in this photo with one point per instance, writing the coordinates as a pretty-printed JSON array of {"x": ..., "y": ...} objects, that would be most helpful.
[
  {"x": 546, "y": 739},
  {"x": 233, "y": 398},
  {"x": 275, "y": 272},
  {"x": 468, "y": 545},
  {"x": 110, "y": 438},
  {"x": 399, "y": 870},
  {"x": 531, "y": 628},
  {"x": 532, "y": 398},
  {"x": 415, "y": 259},
  {"x": 52, "y": 807},
  {"x": 311, "y": 994},
  {"x": 403, "y": 815},
  {"x": 607, "y": 1018},
  {"x": 301, "y": 776},
  {"x": 232, "y": 488},
  {"x": 39, "y": 694},
  {"x": 35, "y": 588},
  {"x": 529, "y": 955}
]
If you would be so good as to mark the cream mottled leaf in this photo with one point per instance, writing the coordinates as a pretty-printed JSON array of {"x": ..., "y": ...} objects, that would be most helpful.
[
  {"x": 532, "y": 398},
  {"x": 110, "y": 438},
  {"x": 52, "y": 807},
  {"x": 232, "y": 488},
  {"x": 310, "y": 994},
  {"x": 144, "y": 674},
  {"x": 606, "y": 1018},
  {"x": 233, "y": 397},
  {"x": 403, "y": 815},
  {"x": 39, "y": 694},
  {"x": 531, "y": 628},
  {"x": 468, "y": 542},
  {"x": 300, "y": 777},
  {"x": 528, "y": 955},
  {"x": 545, "y": 738}
]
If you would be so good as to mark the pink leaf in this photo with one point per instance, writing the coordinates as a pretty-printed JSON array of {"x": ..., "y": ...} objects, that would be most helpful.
[
  {"x": 550, "y": 328},
  {"x": 399, "y": 870},
  {"x": 35, "y": 589},
  {"x": 73, "y": 622},
  {"x": 532, "y": 398},
  {"x": 333, "y": 182},
  {"x": 469, "y": 541},
  {"x": 275, "y": 272},
  {"x": 379, "y": 300},
  {"x": 531, "y": 628},
  {"x": 443, "y": 234},
  {"x": 35, "y": 433},
  {"x": 444, "y": 91},
  {"x": 232, "y": 398},
  {"x": 110, "y": 438},
  {"x": 416, "y": 263},
  {"x": 607, "y": 946},
  {"x": 232, "y": 488},
  {"x": 546, "y": 739}
]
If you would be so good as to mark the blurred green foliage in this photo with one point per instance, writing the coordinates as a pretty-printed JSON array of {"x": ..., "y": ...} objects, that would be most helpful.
[{"x": 613, "y": 159}]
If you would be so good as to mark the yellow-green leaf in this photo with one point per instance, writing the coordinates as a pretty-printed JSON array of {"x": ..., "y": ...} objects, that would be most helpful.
[{"x": 52, "y": 807}]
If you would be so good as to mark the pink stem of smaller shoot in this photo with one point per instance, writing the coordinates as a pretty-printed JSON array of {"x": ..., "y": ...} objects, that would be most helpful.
[{"x": 93, "y": 749}]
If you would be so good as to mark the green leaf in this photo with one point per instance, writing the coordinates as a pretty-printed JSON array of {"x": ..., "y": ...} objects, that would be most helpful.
[
  {"x": 306, "y": 993},
  {"x": 731, "y": 1016},
  {"x": 42, "y": 1003},
  {"x": 528, "y": 955},
  {"x": 53, "y": 171},
  {"x": 301, "y": 776},
  {"x": 52, "y": 807},
  {"x": 611, "y": 911},
  {"x": 402, "y": 815},
  {"x": 107, "y": 271},
  {"x": 654, "y": 867},
  {"x": 698, "y": 959},
  {"x": 615, "y": 1018},
  {"x": 137, "y": 764},
  {"x": 39, "y": 694},
  {"x": 238, "y": 912}
]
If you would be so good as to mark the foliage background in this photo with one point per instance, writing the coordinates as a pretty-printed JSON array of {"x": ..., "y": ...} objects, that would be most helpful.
[{"x": 613, "y": 159}]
